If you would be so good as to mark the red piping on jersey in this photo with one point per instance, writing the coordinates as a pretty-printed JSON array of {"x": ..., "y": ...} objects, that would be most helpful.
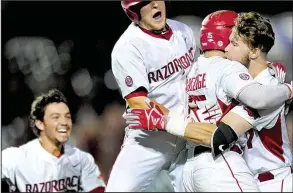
[
  {"x": 136, "y": 94},
  {"x": 164, "y": 35},
  {"x": 272, "y": 139},
  {"x": 282, "y": 185},
  {"x": 232, "y": 173}
]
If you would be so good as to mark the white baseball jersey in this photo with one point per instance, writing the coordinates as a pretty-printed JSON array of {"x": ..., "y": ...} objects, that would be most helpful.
[
  {"x": 30, "y": 168},
  {"x": 159, "y": 65},
  {"x": 215, "y": 81},
  {"x": 268, "y": 144}
]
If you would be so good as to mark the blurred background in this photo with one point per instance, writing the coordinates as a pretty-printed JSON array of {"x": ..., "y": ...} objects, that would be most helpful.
[{"x": 67, "y": 45}]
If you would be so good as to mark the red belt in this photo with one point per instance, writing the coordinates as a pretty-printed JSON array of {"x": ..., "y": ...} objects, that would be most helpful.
[{"x": 268, "y": 176}]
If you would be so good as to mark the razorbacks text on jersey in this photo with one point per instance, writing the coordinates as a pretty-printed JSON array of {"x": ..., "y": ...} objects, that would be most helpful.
[
  {"x": 157, "y": 63},
  {"x": 215, "y": 82},
  {"x": 30, "y": 168}
]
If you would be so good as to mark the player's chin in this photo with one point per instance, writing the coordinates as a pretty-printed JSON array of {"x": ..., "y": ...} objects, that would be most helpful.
[
  {"x": 63, "y": 138},
  {"x": 157, "y": 26}
]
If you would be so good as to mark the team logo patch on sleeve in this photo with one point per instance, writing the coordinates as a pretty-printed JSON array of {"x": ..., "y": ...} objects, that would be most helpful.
[
  {"x": 128, "y": 81},
  {"x": 244, "y": 76}
]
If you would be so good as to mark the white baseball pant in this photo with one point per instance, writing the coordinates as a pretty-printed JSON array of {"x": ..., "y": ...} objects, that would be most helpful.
[
  {"x": 279, "y": 180},
  {"x": 227, "y": 173},
  {"x": 143, "y": 155}
]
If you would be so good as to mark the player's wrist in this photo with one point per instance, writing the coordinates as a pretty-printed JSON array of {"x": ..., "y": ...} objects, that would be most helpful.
[{"x": 176, "y": 124}]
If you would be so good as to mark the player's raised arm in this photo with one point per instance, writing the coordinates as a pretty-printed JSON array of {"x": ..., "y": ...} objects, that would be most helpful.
[
  {"x": 238, "y": 83},
  {"x": 90, "y": 175}
]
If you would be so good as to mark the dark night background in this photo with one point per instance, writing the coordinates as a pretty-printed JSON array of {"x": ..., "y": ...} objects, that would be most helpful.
[{"x": 94, "y": 27}]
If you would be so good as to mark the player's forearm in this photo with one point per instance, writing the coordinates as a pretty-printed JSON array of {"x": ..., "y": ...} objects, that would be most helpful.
[
  {"x": 139, "y": 102},
  {"x": 260, "y": 96},
  {"x": 231, "y": 127},
  {"x": 200, "y": 133},
  {"x": 237, "y": 123}
]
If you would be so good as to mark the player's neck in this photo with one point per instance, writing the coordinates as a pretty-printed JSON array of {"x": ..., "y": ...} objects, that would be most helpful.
[
  {"x": 212, "y": 53},
  {"x": 50, "y": 146},
  {"x": 148, "y": 28},
  {"x": 257, "y": 66}
]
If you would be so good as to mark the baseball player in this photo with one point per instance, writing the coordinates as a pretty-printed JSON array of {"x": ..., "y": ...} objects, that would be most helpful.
[
  {"x": 267, "y": 150},
  {"x": 213, "y": 82},
  {"x": 47, "y": 164},
  {"x": 151, "y": 59}
]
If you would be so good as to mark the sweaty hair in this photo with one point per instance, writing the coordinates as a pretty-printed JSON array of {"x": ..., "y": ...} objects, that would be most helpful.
[
  {"x": 256, "y": 31},
  {"x": 39, "y": 105}
]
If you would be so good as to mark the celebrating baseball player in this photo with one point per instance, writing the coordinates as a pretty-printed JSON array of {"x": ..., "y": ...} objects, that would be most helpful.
[
  {"x": 213, "y": 83},
  {"x": 267, "y": 150},
  {"x": 47, "y": 164},
  {"x": 151, "y": 59}
]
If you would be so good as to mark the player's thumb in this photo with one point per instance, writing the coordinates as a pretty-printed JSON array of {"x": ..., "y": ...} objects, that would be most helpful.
[{"x": 150, "y": 103}]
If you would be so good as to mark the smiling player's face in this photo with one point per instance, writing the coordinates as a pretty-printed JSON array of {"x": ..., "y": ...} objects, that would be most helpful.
[
  {"x": 153, "y": 16},
  {"x": 57, "y": 123}
]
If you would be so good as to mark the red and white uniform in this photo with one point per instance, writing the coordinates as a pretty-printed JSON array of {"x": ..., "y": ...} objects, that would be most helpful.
[
  {"x": 267, "y": 151},
  {"x": 30, "y": 168},
  {"x": 159, "y": 63},
  {"x": 214, "y": 82}
]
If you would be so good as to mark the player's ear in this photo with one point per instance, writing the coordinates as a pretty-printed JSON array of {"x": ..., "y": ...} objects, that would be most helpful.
[
  {"x": 39, "y": 124},
  {"x": 254, "y": 53}
]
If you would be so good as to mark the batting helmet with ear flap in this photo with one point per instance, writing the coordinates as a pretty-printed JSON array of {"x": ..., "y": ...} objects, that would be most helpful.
[
  {"x": 216, "y": 29},
  {"x": 132, "y": 9}
]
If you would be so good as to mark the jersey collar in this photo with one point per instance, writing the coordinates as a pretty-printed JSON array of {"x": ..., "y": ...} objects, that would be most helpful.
[{"x": 163, "y": 35}]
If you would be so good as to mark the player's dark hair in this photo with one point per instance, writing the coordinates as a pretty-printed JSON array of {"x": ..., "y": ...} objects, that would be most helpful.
[
  {"x": 256, "y": 31},
  {"x": 39, "y": 105}
]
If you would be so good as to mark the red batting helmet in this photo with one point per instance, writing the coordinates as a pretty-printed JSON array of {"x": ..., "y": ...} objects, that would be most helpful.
[
  {"x": 216, "y": 29},
  {"x": 133, "y": 14}
]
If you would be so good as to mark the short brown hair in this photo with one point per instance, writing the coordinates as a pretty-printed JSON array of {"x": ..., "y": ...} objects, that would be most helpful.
[
  {"x": 39, "y": 106},
  {"x": 255, "y": 30}
]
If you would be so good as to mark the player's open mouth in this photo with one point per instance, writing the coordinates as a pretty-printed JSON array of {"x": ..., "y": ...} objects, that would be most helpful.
[{"x": 157, "y": 15}]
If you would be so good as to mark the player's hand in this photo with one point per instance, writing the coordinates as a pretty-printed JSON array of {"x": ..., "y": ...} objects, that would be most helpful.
[
  {"x": 147, "y": 119},
  {"x": 278, "y": 70}
]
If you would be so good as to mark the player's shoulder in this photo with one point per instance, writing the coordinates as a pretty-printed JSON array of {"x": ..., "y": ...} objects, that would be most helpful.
[
  {"x": 127, "y": 41},
  {"x": 266, "y": 78},
  {"x": 177, "y": 25},
  {"x": 18, "y": 152},
  {"x": 230, "y": 65},
  {"x": 11, "y": 151}
]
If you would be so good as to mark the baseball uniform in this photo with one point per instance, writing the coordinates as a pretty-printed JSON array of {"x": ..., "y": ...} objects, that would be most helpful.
[
  {"x": 267, "y": 150},
  {"x": 213, "y": 83},
  {"x": 30, "y": 168},
  {"x": 159, "y": 63}
]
